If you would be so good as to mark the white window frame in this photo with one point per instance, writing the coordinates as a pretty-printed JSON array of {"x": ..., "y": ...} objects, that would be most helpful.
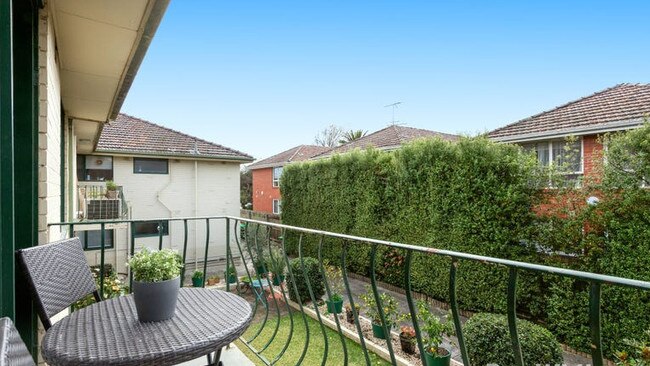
[
  {"x": 551, "y": 159},
  {"x": 277, "y": 207},
  {"x": 276, "y": 180}
]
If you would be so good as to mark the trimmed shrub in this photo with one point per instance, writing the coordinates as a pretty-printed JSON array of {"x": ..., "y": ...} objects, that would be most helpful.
[
  {"x": 488, "y": 342},
  {"x": 300, "y": 280}
]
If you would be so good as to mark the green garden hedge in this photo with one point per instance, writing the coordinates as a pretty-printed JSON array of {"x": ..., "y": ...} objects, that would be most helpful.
[{"x": 473, "y": 196}]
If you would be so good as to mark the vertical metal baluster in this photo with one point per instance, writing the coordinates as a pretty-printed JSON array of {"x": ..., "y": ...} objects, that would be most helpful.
[
  {"x": 71, "y": 233},
  {"x": 286, "y": 302},
  {"x": 329, "y": 296},
  {"x": 512, "y": 316},
  {"x": 160, "y": 234},
  {"x": 313, "y": 300},
  {"x": 232, "y": 259},
  {"x": 184, "y": 251},
  {"x": 207, "y": 246},
  {"x": 259, "y": 278},
  {"x": 302, "y": 310},
  {"x": 131, "y": 255},
  {"x": 594, "y": 324},
  {"x": 275, "y": 301},
  {"x": 102, "y": 259},
  {"x": 243, "y": 257},
  {"x": 454, "y": 312},
  {"x": 409, "y": 300},
  {"x": 228, "y": 254},
  {"x": 351, "y": 299},
  {"x": 380, "y": 306}
]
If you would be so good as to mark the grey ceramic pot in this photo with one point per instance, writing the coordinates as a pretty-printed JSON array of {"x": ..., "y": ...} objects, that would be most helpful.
[{"x": 156, "y": 301}]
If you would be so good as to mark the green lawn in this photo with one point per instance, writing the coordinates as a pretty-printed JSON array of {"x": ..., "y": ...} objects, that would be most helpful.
[{"x": 316, "y": 344}]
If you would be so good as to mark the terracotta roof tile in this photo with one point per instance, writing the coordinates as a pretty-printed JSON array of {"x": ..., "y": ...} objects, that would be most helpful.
[
  {"x": 388, "y": 138},
  {"x": 623, "y": 102},
  {"x": 133, "y": 135},
  {"x": 298, "y": 153}
]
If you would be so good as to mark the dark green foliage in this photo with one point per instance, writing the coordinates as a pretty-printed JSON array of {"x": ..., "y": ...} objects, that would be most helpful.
[
  {"x": 480, "y": 197},
  {"x": 312, "y": 271},
  {"x": 488, "y": 342}
]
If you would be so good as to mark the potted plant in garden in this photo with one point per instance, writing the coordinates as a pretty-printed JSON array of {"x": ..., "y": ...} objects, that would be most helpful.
[
  {"x": 276, "y": 264},
  {"x": 335, "y": 281},
  {"x": 111, "y": 190},
  {"x": 389, "y": 306},
  {"x": 156, "y": 280},
  {"x": 407, "y": 339},
  {"x": 349, "y": 314},
  {"x": 231, "y": 275},
  {"x": 434, "y": 329},
  {"x": 213, "y": 280},
  {"x": 197, "y": 279}
]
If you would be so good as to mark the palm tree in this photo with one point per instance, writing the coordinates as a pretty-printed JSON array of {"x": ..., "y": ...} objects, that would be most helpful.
[{"x": 352, "y": 135}]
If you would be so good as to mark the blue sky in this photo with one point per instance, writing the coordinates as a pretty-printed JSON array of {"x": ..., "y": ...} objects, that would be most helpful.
[{"x": 262, "y": 77}]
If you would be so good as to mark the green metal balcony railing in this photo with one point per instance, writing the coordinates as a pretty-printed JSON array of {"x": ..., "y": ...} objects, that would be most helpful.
[{"x": 243, "y": 247}]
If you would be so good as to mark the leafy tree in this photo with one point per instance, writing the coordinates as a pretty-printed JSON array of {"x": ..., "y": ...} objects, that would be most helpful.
[
  {"x": 330, "y": 136},
  {"x": 352, "y": 135},
  {"x": 246, "y": 187}
]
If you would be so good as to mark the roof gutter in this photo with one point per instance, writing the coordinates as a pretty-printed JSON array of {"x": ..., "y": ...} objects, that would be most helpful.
[
  {"x": 177, "y": 156},
  {"x": 576, "y": 131},
  {"x": 154, "y": 14}
]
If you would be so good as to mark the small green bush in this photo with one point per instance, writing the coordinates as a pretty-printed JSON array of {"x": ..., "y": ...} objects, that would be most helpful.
[
  {"x": 300, "y": 281},
  {"x": 155, "y": 266},
  {"x": 488, "y": 342}
]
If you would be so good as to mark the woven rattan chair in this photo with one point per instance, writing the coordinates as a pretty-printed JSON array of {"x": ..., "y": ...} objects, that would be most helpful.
[
  {"x": 58, "y": 276},
  {"x": 13, "y": 351}
]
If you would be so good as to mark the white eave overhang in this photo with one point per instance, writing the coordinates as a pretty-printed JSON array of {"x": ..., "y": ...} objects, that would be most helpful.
[
  {"x": 100, "y": 46},
  {"x": 577, "y": 131}
]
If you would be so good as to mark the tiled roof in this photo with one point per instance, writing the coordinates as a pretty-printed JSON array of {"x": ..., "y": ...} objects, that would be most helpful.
[
  {"x": 298, "y": 153},
  {"x": 131, "y": 135},
  {"x": 619, "y": 105},
  {"x": 388, "y": 138}
]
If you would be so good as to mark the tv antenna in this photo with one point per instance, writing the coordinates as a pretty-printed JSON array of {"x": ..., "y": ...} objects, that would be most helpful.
[{"x": 394, "y": 106}]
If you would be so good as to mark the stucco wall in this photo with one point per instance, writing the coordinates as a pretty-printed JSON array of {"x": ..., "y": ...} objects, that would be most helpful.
[
  {"x": 210, "y": 190},
  {"x": 263, "y": 191}
]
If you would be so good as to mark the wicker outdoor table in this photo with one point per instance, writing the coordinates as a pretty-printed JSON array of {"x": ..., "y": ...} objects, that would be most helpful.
[{"x": 109, "y": 333}]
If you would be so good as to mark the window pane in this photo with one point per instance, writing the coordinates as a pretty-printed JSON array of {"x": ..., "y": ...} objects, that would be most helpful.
[
  {"x": 150, "y": 166},
  {"x": 92, "y": 239},
  {"x": 277, "y": 173},
  {"x": 150, "y": 228},
  {"x": 542, "y": 153},
  {"x": 94, "y": 168},
  {"x": 567, "y": 155}
]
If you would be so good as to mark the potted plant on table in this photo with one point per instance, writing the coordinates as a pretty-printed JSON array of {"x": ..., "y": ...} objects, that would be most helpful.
[
  {"x": 111, "y": 190},
  {"x": 156, "y": 280},
  {"x": 197, "y": 279},
  {"x": 407, "y": 339},
  {"x": 335, "y": 280},
  {"x": 391, "y": 312},
  {"x": 434, "y": 329},
  {"x": 349, "y": 314}
]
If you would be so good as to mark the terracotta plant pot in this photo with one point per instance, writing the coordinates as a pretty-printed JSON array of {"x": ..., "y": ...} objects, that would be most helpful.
[{"x": 111, "y": 195}]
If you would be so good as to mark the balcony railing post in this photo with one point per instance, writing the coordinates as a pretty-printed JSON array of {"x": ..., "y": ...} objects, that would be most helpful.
[
  {"x": 453, "y": 302},
  {"x": 353, "y": 308},
  {"x": 409, "y": 300},
  {"x": 594, "y": 324},
  {"x": 380, "y": 306},
  {"x": 102, "y": 259},
  {"x": 184, "y": 250},
  {"x": 207, "y": 246},
  {"x": 228, "y": 254},
  {"x": 131, "y": 253},
  {"x": 512, "y": 316},
  {"x": 329, "y": 296},
  {"x": 302, "y": 310}
]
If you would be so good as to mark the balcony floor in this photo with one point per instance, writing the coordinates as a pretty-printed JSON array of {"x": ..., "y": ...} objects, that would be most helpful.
[{"x": 230, "y": 357}]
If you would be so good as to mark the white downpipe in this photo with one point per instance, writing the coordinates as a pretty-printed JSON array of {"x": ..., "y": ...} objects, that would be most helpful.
[{"x": 196, "y": 212}]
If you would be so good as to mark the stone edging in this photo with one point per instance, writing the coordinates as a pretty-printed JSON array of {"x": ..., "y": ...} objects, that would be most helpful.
[{"x": 370, "y": 345}]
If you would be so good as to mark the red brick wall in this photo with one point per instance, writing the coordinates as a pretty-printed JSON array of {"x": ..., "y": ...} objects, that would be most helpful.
[
  {"x": 263, "y": 191},
  {"x": 592, "y": 154}
]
